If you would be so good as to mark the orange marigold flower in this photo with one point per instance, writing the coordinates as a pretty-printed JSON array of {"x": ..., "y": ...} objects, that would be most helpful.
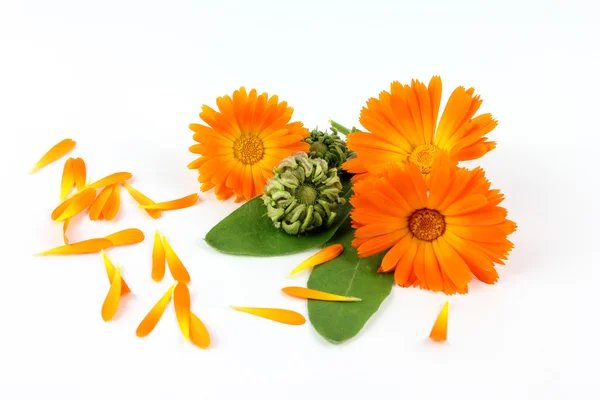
[
  {"x": 243, "y": 142},
  {"x": 439, "y": 235},
  {"x": 403, "y": 126}
]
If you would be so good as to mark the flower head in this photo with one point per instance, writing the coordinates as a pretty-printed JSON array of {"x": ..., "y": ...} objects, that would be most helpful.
[
  {"x": 329, "y": 147},
  {"x": 403, "y": 126},
  {"x": 303, "y": 194},
  {"x": 243, "y": 142},
  {"x": 439, "y": 235}
]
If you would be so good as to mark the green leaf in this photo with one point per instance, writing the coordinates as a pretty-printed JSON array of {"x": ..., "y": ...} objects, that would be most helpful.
[
  {"x": 347, "y": 275},
  {"x": 247, "y": 231}
]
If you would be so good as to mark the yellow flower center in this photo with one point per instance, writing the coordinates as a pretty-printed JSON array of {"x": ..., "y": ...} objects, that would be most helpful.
[
  {"x": 422, "y": 157},
  {"x": 427, "y": 224},
  {"x": 248, "y": 149}
]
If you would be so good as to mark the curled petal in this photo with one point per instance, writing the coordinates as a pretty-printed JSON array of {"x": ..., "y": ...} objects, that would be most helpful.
[
  {"x": 181, "y": 299},
  {"x": 56, "y": 152},
  {"x": 324, "y": 255},
  {"x": 275, "y": 314},
  {"x": 142, "y": 200},
  {"x": 111, "y": 179},
  {"x": 177, "y": 204},
  {"x": 198, "y": 333},
  {"x": 440, "y": 327},
  {"x": 178, "y": 270},
  {"x": 126, "y": 237},
  {"x": 152, "y": 318},
  {"x": 158, "y": 258},
  {"x": 65, "y": 228},
  {"x": 83, "y": 247},
  {"x": 306, "y": 293},
  {"x": 111, "y": 303}
]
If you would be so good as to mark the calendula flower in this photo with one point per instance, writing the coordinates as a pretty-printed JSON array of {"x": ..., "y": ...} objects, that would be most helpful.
[
  {"x": 439, "y": 237},
  {"x": 243, "y": 142},
  {"x": 303, "y": 194},
  {"x": 403, "y": 126},
  {"x": 328, "y": 146}
]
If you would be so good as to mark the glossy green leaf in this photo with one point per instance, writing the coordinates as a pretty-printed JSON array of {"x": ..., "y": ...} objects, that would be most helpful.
[
  {"x": 248, "y": 231},
  {"x": 347, "y": 275}
]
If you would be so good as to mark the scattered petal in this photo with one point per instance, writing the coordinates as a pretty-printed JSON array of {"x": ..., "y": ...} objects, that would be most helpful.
[
  {"x": 79, "y": 173},
  {"x": 97, "y": 206},
  {"x": 142, "y": 200},
  {"x": 83, "y": 247},
  {"x": 152, "y": 318},
  {"x": 177, "y": 204},
  {"x": 57, "y": 151},
  {"x": 78, "y": 203},
  {"x": 324, "y": 255},
  {"x": 113, "y": 203},
  {"x": 110, "y": 273},
  {"x": 181, "y": 299},
  {"x": 198, "y": 332},
  {"x": 68, "y": 178},
  {"x": 111, "y": 179},
  {"x": 126, "y": 237},
  {"x": 178, "y": 270},
  {"x": 275, "y": 314},
  {"x": 306, "y": 293},
  {"x": 111, "y": 303},
  {"x": 65, "y": 227},
  {"x": 158, "y": 258},
  {"x": 57, "y": 212},
  {"x": 440, "y": 327}
]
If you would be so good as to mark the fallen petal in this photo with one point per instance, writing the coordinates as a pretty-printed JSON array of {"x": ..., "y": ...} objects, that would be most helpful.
[
  {"x": 306, "y": 293},
  {"x": 111, "y": 179},
  {"x": 158, "y": 258},
  {"x": 111, "y": 303},
  {"x": 68, "y": 179},
  {"x": 322, "y": 256},
  {"x": 110, "y": 273},
  {"x": 57, "y": 212},
  {"x": 98, "y": 205},
  {"x": 79, "y": 173},
  {"x": 440, "y": 327},
  {"x": 79, "y": 202},
  {"x": 178, "y": 270},
  {"x": 152, "y": 318},
  {"x": 56, "y": 152},
  {"x": 142, "y": 200},
  {"x": 177, "y": 204},
  {"x": 275, "y": 314},
  {"x": 126, "y": 237},
  {"x": 65, "y": 227},
  {"x": 111, "y": 208},
  {"x": 181, "y": 299},
  {"x": 198, "y": 333},
  {"x": 83, "y": 247}
]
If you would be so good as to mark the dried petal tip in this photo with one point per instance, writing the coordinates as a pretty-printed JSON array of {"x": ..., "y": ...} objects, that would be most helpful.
[
  {"x": 274, "y": 314},
  {"x": 153, "y": 316},
  {"x": 56, "y": 152},
  {"x": 306, "y": 293},
  {"x": 322, "y": 256},
  {"x": 302, "y": 195},
  {"x": 176, "y": 204},
  {"x": 440, "y": 327}
]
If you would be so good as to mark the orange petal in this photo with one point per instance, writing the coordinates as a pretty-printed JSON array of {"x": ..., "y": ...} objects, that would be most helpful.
[
  {"x": 111, "y": 303},
  {"x": 125, "y": 237},
  {"x": 440, "y": 327},
  {"x": 56, "y": 152},
  {"x": 142, "y": 200},
  {"x": 83, "y": 247},
  {"x": 324, "y": 255},
  {"x": 178, "y": 271},
  {"x": 177, "y": 204},
  {"x": 57, "y": 212},
  {"x": 65, "y": 227},
  {"x": 78, "y": 203},
  {"x": 152, "y": 318},
  {"x": 97, "y": 206},
  {"x": 306, "y": 293},
  {"x": 110, "y": 273},
  {"x": 198, "y": 332},
  {"x": 181, "y": 299},
  {"x": 113, "y": 203},
  {"x": 68, "y": 179},
  {"x": 275, "y": 314},
  {"x": 111, "y": 179},
  {"x": 79, "y": 173},
  {"x": 158, "y": 259}
]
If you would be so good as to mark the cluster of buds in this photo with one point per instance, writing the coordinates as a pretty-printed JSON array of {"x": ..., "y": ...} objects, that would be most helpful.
[{"x": 329, "y": 147}]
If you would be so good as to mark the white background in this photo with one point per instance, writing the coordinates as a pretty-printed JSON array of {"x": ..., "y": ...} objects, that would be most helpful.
[{"x": 125, "y": 78}]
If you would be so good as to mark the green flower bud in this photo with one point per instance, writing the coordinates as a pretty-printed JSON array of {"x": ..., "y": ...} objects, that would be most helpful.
[
  {"x": 303, "y": 194},
  {"x": 329, "y": 147}
]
